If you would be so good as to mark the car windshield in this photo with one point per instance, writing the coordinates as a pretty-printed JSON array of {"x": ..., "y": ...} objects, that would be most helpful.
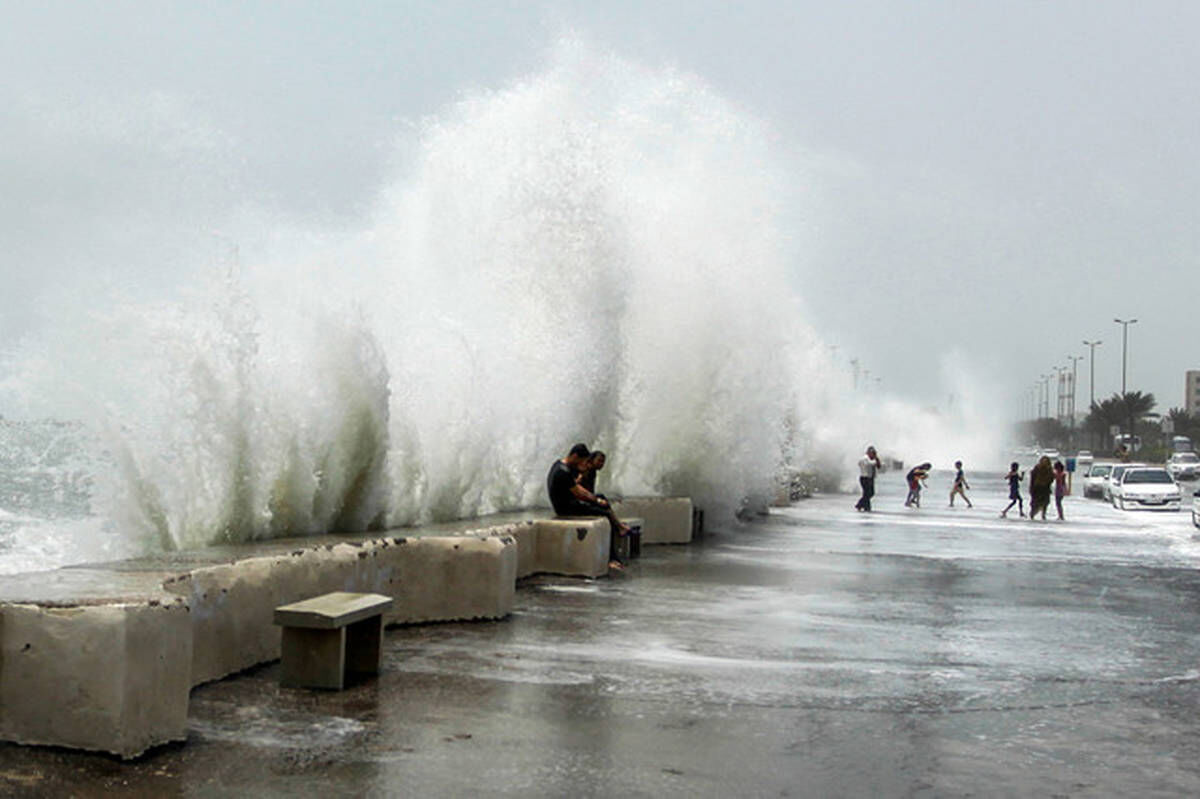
[
  {"x": 1148, "y": 476},
  {"x": 1099, "y": 470}
]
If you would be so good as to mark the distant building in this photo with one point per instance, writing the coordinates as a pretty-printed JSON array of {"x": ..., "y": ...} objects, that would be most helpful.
[{"x": 1191, "y": 393}]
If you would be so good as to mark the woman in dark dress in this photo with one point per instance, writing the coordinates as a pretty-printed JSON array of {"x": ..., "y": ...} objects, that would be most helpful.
[{"x": 1041, "y": 478}]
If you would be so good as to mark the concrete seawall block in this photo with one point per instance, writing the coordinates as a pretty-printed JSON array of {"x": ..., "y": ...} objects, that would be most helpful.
[
  {"x": 526, "y": 537},
  {"x": 667, "y": 520},
  {"x": 111, "y": 677},
  {"x": 432, "y": 579},
  {"x": 573, "y": 547},
  {"x": 104, "y": 657},
  {"x": 449, "y": 578},
  {"x": 232, "y": 605}
]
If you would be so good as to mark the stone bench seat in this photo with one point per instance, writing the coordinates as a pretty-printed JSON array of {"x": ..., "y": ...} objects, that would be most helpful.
[{"x": 329, "y": 636}]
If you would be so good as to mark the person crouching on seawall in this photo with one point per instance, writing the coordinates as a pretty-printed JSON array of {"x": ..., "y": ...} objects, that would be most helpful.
[
  {"x": 569, "y": 498},
  {"x": 868, "y": 466}
]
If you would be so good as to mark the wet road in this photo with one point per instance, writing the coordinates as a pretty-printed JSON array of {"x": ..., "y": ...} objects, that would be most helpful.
[{"x": 821, "y": 652}]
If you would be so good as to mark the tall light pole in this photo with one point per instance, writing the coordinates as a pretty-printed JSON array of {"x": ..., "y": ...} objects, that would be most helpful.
[
  {"x": 1092, "y": 372},
  {"x": 1058, "y": 392},
  {"x": 1074, "y": 359},
  {"x": 1045, "y": 396},
  {"x": 1125, "y": 323}
]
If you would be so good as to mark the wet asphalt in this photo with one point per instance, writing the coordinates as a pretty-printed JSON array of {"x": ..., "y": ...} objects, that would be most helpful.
[{"x": 817, "y": 652}]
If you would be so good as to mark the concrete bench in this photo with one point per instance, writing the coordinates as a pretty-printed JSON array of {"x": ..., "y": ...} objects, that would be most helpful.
[
  {"x": 578, "y": 545},
  {"x": 667, "y": 520},
  {"x": 328, "y": 636}
]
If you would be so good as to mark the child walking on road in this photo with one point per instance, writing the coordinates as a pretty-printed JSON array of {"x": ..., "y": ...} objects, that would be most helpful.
[
  {"x": 960, "y": 486},
  {"x": 1014, "y": 478},
  {"x": 1060, "y": 487}
]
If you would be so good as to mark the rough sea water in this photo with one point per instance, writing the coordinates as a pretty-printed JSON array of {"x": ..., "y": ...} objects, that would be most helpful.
[{"x": 601, "y": 252}]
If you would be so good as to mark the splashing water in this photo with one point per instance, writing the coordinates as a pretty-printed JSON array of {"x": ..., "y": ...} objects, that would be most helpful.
[{"x": 592, "y": 254}]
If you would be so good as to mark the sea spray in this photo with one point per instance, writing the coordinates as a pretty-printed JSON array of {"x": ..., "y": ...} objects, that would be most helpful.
[{"x": 590, "y": 254}]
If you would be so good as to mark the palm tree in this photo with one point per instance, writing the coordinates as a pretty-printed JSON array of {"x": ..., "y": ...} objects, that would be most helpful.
[
  {"x": 1136, "y": 406},
  {"x": 1104, "y": 414},
  {"x": 1123, "y": 411},
  {"x": 1185, "y": 423}
]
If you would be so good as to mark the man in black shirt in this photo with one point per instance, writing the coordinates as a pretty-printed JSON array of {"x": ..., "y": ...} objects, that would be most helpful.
[{"x": 562, "y": 482}]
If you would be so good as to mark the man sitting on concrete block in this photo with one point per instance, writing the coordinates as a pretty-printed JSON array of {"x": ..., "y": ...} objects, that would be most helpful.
[{"x": 569, "y": 498}]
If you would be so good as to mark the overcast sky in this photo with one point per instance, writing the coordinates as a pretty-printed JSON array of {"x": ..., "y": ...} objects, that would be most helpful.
[{"x": 988, "y": 182}]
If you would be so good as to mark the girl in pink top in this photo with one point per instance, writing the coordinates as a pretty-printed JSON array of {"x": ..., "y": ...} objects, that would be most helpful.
[{"x": 1060, "y": 486}]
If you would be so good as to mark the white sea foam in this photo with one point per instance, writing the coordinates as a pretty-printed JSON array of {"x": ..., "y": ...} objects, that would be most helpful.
[{"x": 592, "y": 254}]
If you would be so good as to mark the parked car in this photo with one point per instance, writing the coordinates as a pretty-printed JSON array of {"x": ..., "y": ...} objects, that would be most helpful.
[
  {"x": 1093, "y": 480},
  {"x": 1184, "y": 465},
  {"x": 1147, "y": 487},
  {"x": 1114, "y": 477}
]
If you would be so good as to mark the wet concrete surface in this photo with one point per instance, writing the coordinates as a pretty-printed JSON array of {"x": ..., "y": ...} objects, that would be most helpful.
[{"x": 820, "y": 652}]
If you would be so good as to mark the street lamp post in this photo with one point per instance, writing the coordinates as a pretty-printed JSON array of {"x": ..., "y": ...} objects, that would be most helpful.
[
  {"x": 1075, "y": 359},
  {"x": 1058, "y": 391},
  {"x": 1092, "y": 372},
  {"x": 1125, "y": 323},
  {"x": 1092, "y": 345}
]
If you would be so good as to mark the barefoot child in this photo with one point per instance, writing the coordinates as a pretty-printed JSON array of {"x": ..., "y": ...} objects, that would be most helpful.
[
  {"x": 960, "y": 486},
  {"x": 1014, "y": 478}
]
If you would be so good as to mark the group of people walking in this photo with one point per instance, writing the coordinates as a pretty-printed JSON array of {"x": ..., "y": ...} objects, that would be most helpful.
[{"x": 1043, "y": 478}]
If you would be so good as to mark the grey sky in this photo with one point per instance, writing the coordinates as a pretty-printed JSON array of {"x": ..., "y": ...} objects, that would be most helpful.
[{"x": 995, "y": 181}]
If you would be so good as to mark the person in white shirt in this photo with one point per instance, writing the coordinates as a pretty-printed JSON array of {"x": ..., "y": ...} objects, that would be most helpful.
[{"x": 867, "y": 467}]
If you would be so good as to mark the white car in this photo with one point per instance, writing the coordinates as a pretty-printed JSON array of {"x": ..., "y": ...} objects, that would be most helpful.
[
  {"x": 1184, "y": 466},
  {"x": 1113, "y": 478},
  {"x": 1147, "y": 487},
  {"x": 1196, "y": 508},
  {"x": 1093, "y": 481}
]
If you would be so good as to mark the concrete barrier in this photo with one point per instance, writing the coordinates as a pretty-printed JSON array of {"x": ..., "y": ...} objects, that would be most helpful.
[
  {"x": 111, "y": 678},
  {"x": 449, "y": 578},
  {"x": 666, "y": 520},
  {"x": 103, "y": 657},
  {"x": 577, "y": 547}
]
